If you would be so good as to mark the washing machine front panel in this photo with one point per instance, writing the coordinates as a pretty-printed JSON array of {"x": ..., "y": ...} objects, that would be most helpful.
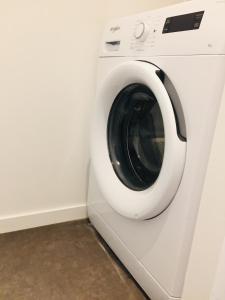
[
  {"x": 162, "y": 244},
  {"x": 136, "y": 152}
]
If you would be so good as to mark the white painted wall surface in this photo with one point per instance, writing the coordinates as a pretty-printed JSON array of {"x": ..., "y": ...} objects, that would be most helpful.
[
  {"x": 47, "y": 74},
  {"x": 218, "y": 288},
  {"x": 206, "y": 259}
]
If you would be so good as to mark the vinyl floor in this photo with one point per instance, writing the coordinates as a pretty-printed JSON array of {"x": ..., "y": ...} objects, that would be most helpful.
[{"x": 65, "y": 261}]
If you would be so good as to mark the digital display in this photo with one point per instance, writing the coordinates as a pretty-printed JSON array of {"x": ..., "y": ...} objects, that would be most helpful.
[{"x": 183, "y": 22}]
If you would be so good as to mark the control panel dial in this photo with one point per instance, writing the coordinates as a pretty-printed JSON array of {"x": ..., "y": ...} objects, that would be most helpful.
[{"x": 141, "y": 31}]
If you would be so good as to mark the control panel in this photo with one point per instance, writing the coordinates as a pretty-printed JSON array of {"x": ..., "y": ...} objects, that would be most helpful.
[
  {"x": 192, "y": 27},
  {"x": 145, "y": 31},
  {"x": 185, "y": 22}
]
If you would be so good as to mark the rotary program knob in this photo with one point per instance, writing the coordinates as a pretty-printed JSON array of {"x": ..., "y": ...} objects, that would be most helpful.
[{"x": 141, "y": 31}]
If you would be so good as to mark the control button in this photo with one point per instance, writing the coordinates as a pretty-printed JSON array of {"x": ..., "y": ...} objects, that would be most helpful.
[
  {"x": 168, "y": 21},
  {"x": 165, "y": 30},
  {"x": 141, "y": 31},
  {"x": 198, "y": 16},
  {"x": 196, "y": 25}
]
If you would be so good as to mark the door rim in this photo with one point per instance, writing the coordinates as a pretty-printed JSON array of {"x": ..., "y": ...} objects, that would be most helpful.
[{"x": 152, "y": 201}]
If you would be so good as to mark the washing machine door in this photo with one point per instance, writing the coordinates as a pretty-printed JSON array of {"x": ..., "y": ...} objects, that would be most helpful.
[{"x": 137, "y": 155}]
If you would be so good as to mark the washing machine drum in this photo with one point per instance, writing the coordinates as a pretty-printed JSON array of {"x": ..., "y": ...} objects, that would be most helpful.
[{"x": 136, "y": 152}]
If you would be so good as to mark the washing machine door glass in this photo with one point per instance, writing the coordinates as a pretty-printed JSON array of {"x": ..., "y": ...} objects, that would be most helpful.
[{"x": 136, "y": 137}]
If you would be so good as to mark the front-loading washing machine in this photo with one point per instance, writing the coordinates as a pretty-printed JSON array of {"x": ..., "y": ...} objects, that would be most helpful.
[{"x": 160, "y": 79}]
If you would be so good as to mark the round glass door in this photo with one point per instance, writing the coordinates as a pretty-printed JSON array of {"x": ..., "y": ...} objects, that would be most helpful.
[
  {"x": 136, "y": 139},
  {"x": 137, "y": 157}
]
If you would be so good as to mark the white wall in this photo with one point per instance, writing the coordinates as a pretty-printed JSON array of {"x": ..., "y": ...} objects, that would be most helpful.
[
  {"x": 118, "y": 8},
  {"x": 47, "y": 74},
  {"x": 210, "y": 227}
]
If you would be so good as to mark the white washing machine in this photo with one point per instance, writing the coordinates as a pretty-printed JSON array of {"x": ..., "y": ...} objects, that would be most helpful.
[{"x": 160, "y": 80}]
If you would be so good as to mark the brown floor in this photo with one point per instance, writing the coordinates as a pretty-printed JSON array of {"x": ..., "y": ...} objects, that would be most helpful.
[{"x": 61, "y": 262}]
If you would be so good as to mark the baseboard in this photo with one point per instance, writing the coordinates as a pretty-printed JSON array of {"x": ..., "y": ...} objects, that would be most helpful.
[{"x": 41, "y": 218}]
